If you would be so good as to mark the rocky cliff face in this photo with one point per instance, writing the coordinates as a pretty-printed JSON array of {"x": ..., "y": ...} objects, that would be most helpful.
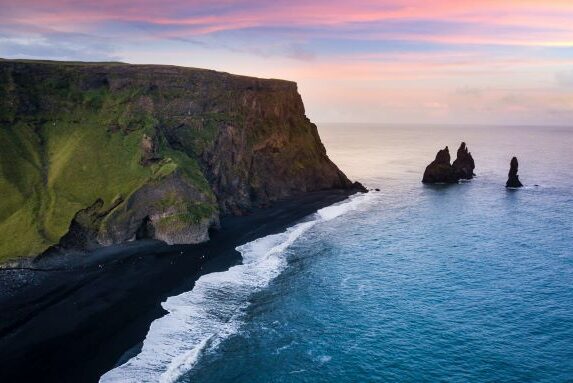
[{"x": 96, "y": 154}]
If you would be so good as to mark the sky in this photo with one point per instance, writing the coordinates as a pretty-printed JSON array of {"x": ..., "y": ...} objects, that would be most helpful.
[{"x": 396, "y": 61}]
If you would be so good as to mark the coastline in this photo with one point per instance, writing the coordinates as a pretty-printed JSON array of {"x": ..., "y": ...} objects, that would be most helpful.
[{"x": 69, "y": 325}]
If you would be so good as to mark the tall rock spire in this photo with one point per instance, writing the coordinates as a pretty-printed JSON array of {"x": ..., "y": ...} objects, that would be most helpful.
[
  {"x": 512, "y": 177},
  {"x": 464, "y": 164}
]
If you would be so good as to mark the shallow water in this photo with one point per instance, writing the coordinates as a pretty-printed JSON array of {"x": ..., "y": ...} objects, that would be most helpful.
[{"x": 469, "y": 282}]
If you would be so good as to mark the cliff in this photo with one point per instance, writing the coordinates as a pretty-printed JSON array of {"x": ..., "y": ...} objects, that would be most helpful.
[{"x": 102, "y": 153}]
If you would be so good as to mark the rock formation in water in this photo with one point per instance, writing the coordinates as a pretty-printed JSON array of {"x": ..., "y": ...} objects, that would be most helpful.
[
  {"x": 512, "y": 177},
  {"x": 101, "y": 153},
  {"x": 440, "y": 170},
  {"x": 464, "y": 164},
  {"x": 359, "y": 187}
]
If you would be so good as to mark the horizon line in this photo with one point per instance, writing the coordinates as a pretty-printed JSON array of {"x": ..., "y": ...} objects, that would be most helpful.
[{"x": 448, "y": 124}]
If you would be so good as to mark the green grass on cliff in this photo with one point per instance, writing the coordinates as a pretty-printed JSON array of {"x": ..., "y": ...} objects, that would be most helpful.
[
  {"x": 73, "y": 165},
  {"x": 54, "y": 163},
  {"x": 194, "y": 213}
]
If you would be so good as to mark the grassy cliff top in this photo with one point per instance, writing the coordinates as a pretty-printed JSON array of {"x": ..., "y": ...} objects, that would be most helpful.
[{"x": 157, "y": 68}]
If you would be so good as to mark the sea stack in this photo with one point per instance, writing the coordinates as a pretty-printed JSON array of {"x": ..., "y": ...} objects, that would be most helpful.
[
  {"x": 464, "y": 164},
  {"x": 440, "y": 170},
  {"x": 512, "y": 177}
]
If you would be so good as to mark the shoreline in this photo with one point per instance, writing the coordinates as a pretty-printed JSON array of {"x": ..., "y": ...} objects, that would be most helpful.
[{"x": 70, "y": 325}]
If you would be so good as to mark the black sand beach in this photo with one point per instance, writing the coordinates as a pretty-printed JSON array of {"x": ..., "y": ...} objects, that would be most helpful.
[{"x": 71, "y": 321}]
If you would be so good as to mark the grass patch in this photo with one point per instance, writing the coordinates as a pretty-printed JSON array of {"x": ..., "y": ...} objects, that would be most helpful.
[{"x": 196, "y": 212}]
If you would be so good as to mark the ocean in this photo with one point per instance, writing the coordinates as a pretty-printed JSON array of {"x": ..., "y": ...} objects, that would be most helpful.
[{"x": 453, "y": 283}]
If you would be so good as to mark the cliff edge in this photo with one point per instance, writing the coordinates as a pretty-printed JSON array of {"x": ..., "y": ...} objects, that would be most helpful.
[{"x": 101, "y": 153}]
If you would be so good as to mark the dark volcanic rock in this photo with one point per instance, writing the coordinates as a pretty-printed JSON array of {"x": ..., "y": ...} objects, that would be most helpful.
[
  {"x": 359, "y": 187},
  {"x": 440, "y": 170},
  {"x": 464, "y": 164},
  {"x": 512, "y": 177}
]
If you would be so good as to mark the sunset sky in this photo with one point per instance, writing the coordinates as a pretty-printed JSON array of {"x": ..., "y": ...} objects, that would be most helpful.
[{"x": 478, "y": 62}]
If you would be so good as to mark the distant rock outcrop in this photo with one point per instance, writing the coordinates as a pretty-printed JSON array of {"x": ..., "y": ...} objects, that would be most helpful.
[
  {"x": 440, "y": 170},
  {"x": 512, "y": 177},
  {"x": 359, "y": 187},
  {"x": 464, "y": 164}
]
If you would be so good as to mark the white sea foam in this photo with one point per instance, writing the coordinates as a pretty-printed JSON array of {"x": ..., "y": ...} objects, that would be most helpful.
[{"x": 200, "y": 319}]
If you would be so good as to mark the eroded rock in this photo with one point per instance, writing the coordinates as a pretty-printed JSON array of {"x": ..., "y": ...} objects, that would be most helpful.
[
  {"x": 512, "y": 177},
  {"x": 464, "y": 164},
  {"x": 440, "y": 170}
]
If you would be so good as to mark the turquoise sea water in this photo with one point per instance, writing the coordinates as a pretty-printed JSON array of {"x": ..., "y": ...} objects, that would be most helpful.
[{"x": 468, "y": 282}]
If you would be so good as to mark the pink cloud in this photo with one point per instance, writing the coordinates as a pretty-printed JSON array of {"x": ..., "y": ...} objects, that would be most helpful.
[{"x": 194, "y": 17}]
